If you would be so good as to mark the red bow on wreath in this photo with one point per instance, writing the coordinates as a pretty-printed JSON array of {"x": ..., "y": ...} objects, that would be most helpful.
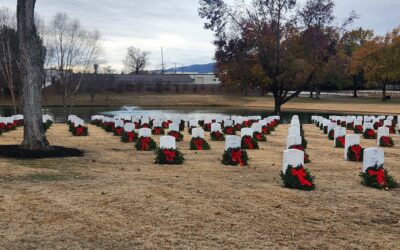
[
  {"x": 248, "y": 141},
  {"x": 341, "y": 140},
  {"x": 370, "y": 133},
  {"x": 198, "y": 143},
  {"x": 131, "y": 136},
  {"x": 169, "y": 155},
  {"x": 236, "y": 157},
  {"x": 10, "y": 126},
  {"x": 80, "y": 131},
  {"x": 119, "y": 131},
  {"x": 356, "y": 149},
  {"x": 218, "y": 135},
  {"x": 175, "y": 134},
  {"x": 298, "y": 147},
  {"x": 2, "y": 125},
  {"x": 157, "y": 131},
  {"x": 386, "y": 141},
  {"x": 301, "y": 174},
  {"x": 380, "y": 176},
  {"x": 145, "y": 143},
  {"x": 246, "y": 124},
  {"x": 264, "y": 130},
  {"x": 229, "y": 130},
  {"x": 258, "y": 136}
]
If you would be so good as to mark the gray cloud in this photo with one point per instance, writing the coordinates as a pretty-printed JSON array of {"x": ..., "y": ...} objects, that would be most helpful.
[{"x": 175, "y": 25}]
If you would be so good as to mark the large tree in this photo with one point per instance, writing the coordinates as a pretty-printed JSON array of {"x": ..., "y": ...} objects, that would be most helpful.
[
  {"x": 289, "y": 50},
  {"x": 71, "y": 49},
  {"x": 9, "y": 70},
  {"x": 136, "y": 59},
  {"x": 380, "y": 60},
  {"x": 32, "y": 57}
]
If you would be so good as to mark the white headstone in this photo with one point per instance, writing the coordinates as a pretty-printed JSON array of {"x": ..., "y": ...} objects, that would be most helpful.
[
  {"x": 174, "y": 127},
  {"x": 293, "y": 140},
  {"x": 382, "y": 131},
  {"x": 157, "y": 124},
  {"x": 119, "y": 124},
  {"x": 144, "y": 132},
  {"x": 372, "y": 157},
  {"x": 292, "y": 157},
  {"x": 228, "y": 123},
  {"x": 215, "y": 127},
  {"x": 233, "y": 141},
  {"x": 129, "y": 127},
  {"x": 350, "y": 141},
  {"x": 340, "y": 131},
  {"x": 198, "y": 133},
  {"x": 368, "y": 125},
  {"x": 167, "y": 142},
  {"x": 294, "y": 131},
  {"x": 246, "y": 132},
  {"x": 257, "y": 127}
]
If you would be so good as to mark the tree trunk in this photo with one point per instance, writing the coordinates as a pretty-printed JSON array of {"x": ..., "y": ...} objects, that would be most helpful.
[
  {"x": 317, "y": 92},
  {"x": 32, "y": 71},
  {"x": 384, "y": 92},
  {"x": 278, "y": 105},
  {"x": 355, "y": 94},
  {"x": 312, "y": 92},
  {"x": 14, "y": 101}
]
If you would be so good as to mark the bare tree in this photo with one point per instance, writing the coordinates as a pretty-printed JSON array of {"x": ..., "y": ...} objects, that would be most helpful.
[
  {"x": 9, "y": 52},
  {"x": 136, "y": 60},
  {"x": 32, "y": 57},
  {"x": 71, "y": 49}
]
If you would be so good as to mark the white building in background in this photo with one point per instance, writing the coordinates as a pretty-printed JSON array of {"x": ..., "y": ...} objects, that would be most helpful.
[{"x": 205, "y": 79}]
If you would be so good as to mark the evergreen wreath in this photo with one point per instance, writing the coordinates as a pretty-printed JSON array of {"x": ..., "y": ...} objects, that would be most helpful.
[
  {"x": 358, "y": 129},
  {"x": 298, "y": 178},
  {"x": 229, "y": 130},
  {"x": 158, "y": 131},
  {"x": 378, "y": 177},
  {"x": 169, "y": 156},
  {"x": 249, "y": 142},
  {"x": 259, "y": 136},
  {"x": 178, "y": 136},
  {"x": 234, "y": 157},
  {"x": 355, "y": 153},
  {"x": 145, "y": 144},
  {"x": 350, "y": 126},
  {"x": 129, "y": 137},
  {"x": 369, "y": 134},
  {"x": 118, "y": 131},
  {"x": 340, "y": 142},
  {"x": 331, "y": 135},
  {"x": 386, "y": 141},
  {"x": 80, "y": 131},
  {"x": 217, "y": 136},
  {"x": 199, "y": 144}
]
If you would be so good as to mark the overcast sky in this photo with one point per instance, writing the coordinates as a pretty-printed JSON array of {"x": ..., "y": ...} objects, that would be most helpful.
[{"x": 175, "y": 25}]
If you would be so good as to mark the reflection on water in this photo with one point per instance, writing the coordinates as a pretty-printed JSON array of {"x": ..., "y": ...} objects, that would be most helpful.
[{"x": 86, "y": 112}]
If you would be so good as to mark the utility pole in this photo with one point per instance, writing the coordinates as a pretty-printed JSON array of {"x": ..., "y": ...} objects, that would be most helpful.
[
  {"x": 162, "y": 61},
  {"x": 175, "y": 69}
]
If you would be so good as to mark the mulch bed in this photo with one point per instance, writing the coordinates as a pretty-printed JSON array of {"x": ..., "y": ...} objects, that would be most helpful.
[{"x": 17, "y": 152}]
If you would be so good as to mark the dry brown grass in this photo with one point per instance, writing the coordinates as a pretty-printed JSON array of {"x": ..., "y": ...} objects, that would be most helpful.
[{"x": 116, "y": 198}]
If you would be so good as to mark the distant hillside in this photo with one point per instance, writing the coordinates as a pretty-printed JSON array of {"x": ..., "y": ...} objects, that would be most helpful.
[{"x": 196, "y": 68}]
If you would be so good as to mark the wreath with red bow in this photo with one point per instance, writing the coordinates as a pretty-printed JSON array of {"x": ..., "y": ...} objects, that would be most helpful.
[
  {"x": 247, "y": 124},
  {"x": 199, "y": 144},
  {"x": 392, "y": 129},
  {"x": 145, "y": 144},
  {"x": 378, "y": 124},
  {"x": 350, "y": 126},
  {"x": 358, "y": 129},
  {"x": 207, "y": 127},
  {"x": 369, "y": 134},
  {"x": 108, "y": 126},
  {"x": 378, "y": 177},
  {"x": 331, "y": 135},
  {"x": 217, "y": 136},
  {"x": 249, "y": 142},
  {"x": 158, "y": 131},
  {"x": 165, "y": 125},
  {"x": 265, "y": 130},
  {"x": 301, "y": 148},
  {"x": 298, "y": 178},
  {"x": 80, "y": 131},
  {"x": 178, "y": 136},
  {"x": 229, "y": 130},
  {"x": 326, "y": 130},
  {"x": 343, "y": 124},
  {"x": 386, "y": 141},
  {"x": 355, "y": 153},
  {"x": 170, "y": 156},
  {"x": 47, "y": 125},
  {"x": 259, "y": 136},
  {"x": 129, "y": 137},
  {"x": 235, "y": 157},
  {"x": 118, "y": 131},
  {"x": 271, "y": 127},
  {"x": 238, "y": 127},
  {"x": 96, "y": 123},
  {"x": 340, "y": 142}
]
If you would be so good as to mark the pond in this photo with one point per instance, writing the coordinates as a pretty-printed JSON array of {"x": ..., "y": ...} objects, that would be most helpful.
[{"x": 86, "y": 112}]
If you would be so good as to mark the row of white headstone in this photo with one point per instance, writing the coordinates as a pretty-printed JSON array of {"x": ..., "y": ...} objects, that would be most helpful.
[
  {"x": 293, "y": 157},
  {"x": 373, "y": 156},
  {"x": 11, "y": 119}
]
